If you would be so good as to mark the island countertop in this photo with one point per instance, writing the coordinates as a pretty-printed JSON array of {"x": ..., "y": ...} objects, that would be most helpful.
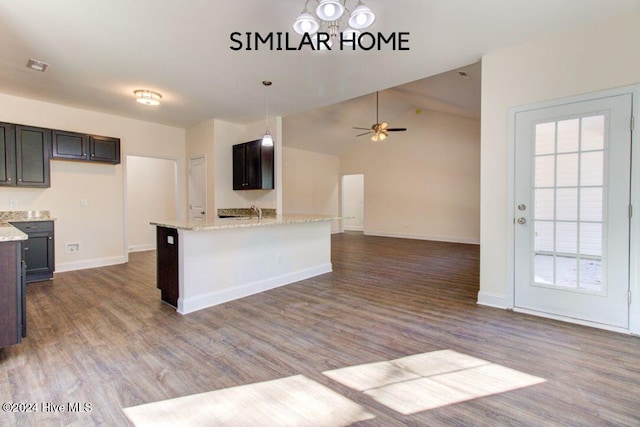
[{"x": 241, "y": 222}]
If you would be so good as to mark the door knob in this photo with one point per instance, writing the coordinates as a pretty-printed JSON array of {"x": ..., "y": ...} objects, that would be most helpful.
[
  {"x": 522, "y": 221},
  {"x": 522, "y": 207}
]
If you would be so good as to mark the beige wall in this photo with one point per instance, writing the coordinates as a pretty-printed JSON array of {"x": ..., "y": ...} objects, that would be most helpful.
[
  {"x": 99, "y": 227},
  {"x": 310, "y": 183},
  {"x": 592, "y": 58},
  {"x": 423, "y": 183},
  {"x": 151, "y": 196}
]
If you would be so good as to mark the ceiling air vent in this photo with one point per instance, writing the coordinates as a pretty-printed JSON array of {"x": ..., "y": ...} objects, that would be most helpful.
[{"x": 37, "y": 65}]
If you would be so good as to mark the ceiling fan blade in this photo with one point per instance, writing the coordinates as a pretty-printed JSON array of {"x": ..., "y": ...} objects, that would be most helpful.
[
  {"x": 362, "y": 128},
  {"x": 366, "y": 133},
  {"x": 396, "y": 129}
]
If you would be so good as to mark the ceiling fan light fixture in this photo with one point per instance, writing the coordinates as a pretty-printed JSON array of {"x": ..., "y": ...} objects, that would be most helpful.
[
  {"x": 306, "y": 24},
  {"x": 147, "y": 97},
  {"x": 361, "y": 17},
  {"x": 329, "y": 10}
]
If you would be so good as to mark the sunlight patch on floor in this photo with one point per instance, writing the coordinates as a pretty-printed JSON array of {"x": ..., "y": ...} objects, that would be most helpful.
[
  {"x": 430, "y": 380},
  {"x": 292, "y": 401}
]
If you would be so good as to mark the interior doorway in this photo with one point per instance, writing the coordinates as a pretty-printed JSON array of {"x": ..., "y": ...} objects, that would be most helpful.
[
  {"x": 152, "y": 195},
  {"x": 353, "y": 202},
  {"x": 198, "y": 188}
]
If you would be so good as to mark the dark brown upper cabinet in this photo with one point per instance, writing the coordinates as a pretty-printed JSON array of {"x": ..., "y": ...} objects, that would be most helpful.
[
  {"x": 24, "y": 160},
  {"x": 78, "y": 146},
  {"x": 253, "y": 166}
]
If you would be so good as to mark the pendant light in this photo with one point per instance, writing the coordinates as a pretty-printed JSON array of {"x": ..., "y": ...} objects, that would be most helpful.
[{"x": 267, "y": 140}]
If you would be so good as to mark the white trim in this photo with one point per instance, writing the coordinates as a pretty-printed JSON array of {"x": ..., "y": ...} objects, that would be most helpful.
[
  {"x": 143, "y": 248},
  {"x": 448, "y": 239},
  {"x": 493, "y": 300},
  {"x": 634, "y": 260},
  {"x": 571, "y": 320},
  {"x": 189, "y": 305},
  {"x": 90, "y": 263}
]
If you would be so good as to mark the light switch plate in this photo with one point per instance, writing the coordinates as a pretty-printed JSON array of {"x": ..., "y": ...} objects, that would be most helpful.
[
  {"x": 84, "y": 203},
  {"x": 170, "y": 240}
]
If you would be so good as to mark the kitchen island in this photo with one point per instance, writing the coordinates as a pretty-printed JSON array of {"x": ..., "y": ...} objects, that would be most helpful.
[{"x": 202, "y": 264}]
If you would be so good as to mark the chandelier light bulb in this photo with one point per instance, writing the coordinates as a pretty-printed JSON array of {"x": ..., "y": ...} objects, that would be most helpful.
[
  {"x": 306, "y": 23},
  {"x": 329, "y": 10},
  {"x": 361, "y": 17}
]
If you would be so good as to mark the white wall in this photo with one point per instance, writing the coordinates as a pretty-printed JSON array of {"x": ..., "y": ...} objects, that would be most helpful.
[
  {"x": 353, "y": 202},
  {"x": 423, "y": 183},
  {"x": 99, "y": 227},
  {"x": 310, "y": 183},
  {"x": 592, "y": 58},
  {"x": 151, "y": 195}
]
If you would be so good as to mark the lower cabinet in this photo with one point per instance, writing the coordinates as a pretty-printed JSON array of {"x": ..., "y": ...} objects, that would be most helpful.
[
  {"x": 39, "y": 254},
  {"x": 13, "y": 313},
  {"x": 167, "y": 264}
]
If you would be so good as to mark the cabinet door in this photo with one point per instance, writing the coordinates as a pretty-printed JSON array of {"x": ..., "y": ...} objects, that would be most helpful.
[
  {"x": 239, "y": 161},
  {"x": 167, "y": 264},
  {"x": 253, "y": 165},
  {"x": 7, "y": 154},
  {"x": 38, "y": 249},
  {"x": 105, "y": 149},
  {"x": 10, "y": 294},
  {"x": 69, "y": 145},
  {"x": 33, "y": 147}
]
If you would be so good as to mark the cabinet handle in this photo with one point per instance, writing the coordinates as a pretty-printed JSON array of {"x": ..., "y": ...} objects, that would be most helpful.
[
  {"x": 8, "y": 179},
  {"x": 26, "y": 249},
  {"x": 19, "y": 179},
  {"x": 50, "y": 238}
]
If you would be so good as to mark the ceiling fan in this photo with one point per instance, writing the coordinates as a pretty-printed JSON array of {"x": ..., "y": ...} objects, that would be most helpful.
[{"x": 379, "y": 130}]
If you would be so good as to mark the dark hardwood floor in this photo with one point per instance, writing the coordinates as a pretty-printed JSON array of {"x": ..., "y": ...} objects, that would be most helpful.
[{"x": 103, "y": 337}]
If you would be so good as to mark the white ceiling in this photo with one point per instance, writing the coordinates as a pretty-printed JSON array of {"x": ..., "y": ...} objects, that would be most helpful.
[{"x": 99, "y": 51}]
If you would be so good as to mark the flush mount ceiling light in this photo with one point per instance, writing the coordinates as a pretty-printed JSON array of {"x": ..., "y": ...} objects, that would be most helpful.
[
  {"x": 147, "y": 97},
  {"x": 36, "y": 65},
  {"x": 267, "y": 140},
  {"x": 331, "y": 14}
]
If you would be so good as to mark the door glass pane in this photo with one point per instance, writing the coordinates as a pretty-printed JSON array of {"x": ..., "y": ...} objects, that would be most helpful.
[
  {"x": 545, "y": 171},
  {"x": 568, "y": 135},
  {"x": 592, "y": 170},
  {"x": 591, "y": 275},
  {"x": 545, "y": 204},
  {"x": 544, "y": 236},
  {"x": 543, "y": 269},
  {"x": 567, "y": 204},
  {"x": 568, "y": 209},
  {"x": 567, "y": 170},
  {"x": 592, "y": 133},
  {"x": 545, "y": 138}
]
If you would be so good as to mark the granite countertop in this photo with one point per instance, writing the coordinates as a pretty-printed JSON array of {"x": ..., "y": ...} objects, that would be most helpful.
[
  {"x": 228, "y": 223},
  {"x": 9, "y": 232}
]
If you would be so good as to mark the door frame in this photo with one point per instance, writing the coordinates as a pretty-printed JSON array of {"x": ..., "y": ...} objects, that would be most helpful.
[{"x": 634, "y": 225}]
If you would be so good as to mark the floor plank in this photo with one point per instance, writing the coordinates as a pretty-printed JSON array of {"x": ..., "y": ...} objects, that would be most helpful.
[{"x": 103, "y": 337}]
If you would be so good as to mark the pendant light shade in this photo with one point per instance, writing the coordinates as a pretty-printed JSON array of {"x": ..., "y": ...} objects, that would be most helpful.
[
  {"x": 361, "y": 17},
  {"x": 306, "y": 23},
  {"x": 267, "y": 139},
  {"x": 329, "y": 10}
]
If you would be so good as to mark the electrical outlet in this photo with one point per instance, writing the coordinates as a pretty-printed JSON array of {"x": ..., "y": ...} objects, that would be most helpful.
[
  {"x": 71, "y": 248},
  {"x": 13, "y": 203},
  {"x": 84, "y": 203}
]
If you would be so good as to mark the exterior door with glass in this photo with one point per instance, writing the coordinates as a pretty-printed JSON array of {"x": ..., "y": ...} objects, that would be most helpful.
[{"x": 572, "y": 195}]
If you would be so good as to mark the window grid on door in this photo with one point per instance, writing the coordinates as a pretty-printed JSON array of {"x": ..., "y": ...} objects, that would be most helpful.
[{"x": 568, "y": 203}]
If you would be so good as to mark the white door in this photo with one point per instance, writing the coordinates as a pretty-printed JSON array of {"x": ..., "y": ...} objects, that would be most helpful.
[
  {"x": 572, "y": 195},
  {"x": 353, "y": 202},
  {"x": 198, "y": 189}
]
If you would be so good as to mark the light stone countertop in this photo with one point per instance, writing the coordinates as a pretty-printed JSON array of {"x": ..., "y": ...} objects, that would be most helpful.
[
  {"x": 228, "y": 223},
  {"x": 9, "y": 232}
]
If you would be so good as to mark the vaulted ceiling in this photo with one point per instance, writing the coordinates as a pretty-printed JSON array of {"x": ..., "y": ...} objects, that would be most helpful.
[{"x": 100, "y": 51}]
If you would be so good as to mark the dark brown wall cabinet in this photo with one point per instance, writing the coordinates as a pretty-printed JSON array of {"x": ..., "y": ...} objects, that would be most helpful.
[
  {"x": 13, "y": 315},
  {"x": 167, "y": 264},
  {"x": 91, "y": 148},
  {"x": 24, "y": 156},
  {"x": 253, "y": 166},
  {"x": 38, "y": 249}
]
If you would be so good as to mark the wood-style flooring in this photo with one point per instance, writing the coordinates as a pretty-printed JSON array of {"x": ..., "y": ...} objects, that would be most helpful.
[{"x": 103, "y": 337}]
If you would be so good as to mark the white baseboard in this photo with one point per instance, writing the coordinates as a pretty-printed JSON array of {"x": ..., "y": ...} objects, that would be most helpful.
[
  {"x": 189, "y": 305},
  {"x": 469, "y": 241},
  {"x": 142, "y": 248},
  {"x": 348, "y": 228},
  {"x": 493, "y": 300},
  {"x": 90, "y": 263}
]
